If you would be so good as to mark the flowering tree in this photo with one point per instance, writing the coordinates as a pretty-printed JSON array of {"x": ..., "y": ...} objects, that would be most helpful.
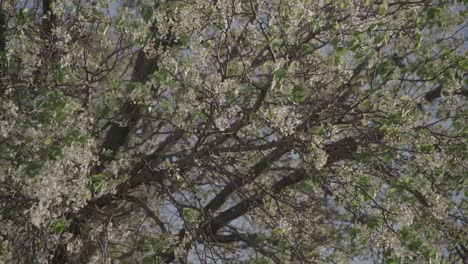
[{"x": 275, "y": 131}]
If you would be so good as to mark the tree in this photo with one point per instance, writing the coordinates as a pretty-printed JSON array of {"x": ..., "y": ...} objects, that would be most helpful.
[{"x": 280, "y": 131}]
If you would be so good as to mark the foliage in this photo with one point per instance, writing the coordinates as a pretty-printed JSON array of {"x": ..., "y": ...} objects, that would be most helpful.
[{"x": 290, "y": 131}]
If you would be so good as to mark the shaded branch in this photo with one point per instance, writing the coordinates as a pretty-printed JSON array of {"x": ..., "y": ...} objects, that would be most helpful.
[{"x": 148, "y": 211}]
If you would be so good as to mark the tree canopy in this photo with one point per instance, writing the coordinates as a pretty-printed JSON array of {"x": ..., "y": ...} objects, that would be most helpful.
[{"x": 233, "y": 131}]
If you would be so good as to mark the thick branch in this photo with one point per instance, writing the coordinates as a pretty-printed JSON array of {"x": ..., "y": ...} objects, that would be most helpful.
[
  {"x": 263, "y": 164},
  {"x": 148, "y": 211},
  {"x": 342, "y": 149},
  {"x": 213, "y": 225},
  {"x": 49, "y": 19},
  {"x": 437, "y": 93}
]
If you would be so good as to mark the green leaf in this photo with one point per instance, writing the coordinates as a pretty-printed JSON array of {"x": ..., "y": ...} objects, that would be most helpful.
[
  {"x": 190, "y": 214},
  {"x": 457, "y": 148},
  {"x": 278, "y": 231},
  {"x": 59, "y": 226},
  {"x": 383, "y": 8},
  {"x": 334, "y": 41},
  {"x": 48, "y": 141},
  {"x": 354, "y": 44},
  {"x": 354, "y": 233},
  {"x": 298, "y": 94},
  {"x": 366, "y": 105},
  {"x": 54, "y": 153},
  {"x": 279, "y": 76},
  {"x": 372, "y": 224},
  {"x": 427, "y": 148},
  {"x": 84, "y": 138},
  {"x": 341, "y": 51},
  {"x": 161, "y": 76},
  {"x": 335, "y": 59},
  {"x": 463, "y": 64},
  {"x": 404, "y": 233},
  {"x": 429, "y": 254},
  {"x": 22, "y": 16},
  {"x": 149, "y": 260},
  {"x": 276, "y": 43},
  {"x": 433, "y": 12},
  {"x": 385, "y": 67},
  {"x": 60, "y": 74},
  {"x": 372, "y": 27},
  {"x": 233, "y": 69},
  {"x": 392, "y": 261},
  {"x": 146, "y": 13},
  {"x": 33, "y": 168},
  {"x": 364, "y": 181},
  {"x": 97, "y": 182},
  {"x": 415, "y": 245},
  {"x": 386, "y": 38},
  {"x": 387, "y": 157},
  {"x": 184, "y": 39},
  {"x": 419, "y": 38},
  {"x": 318, "y": 130},
  {"x": 305, "y": 48},
  {"x": 405, "y": 98}
]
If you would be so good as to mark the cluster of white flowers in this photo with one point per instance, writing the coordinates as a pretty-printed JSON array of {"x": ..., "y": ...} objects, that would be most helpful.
[
  {"x": 62, "y": 185},
  {"x": 284, "y": 118},
  {"x": 321, "y": 158},
  {"x": 389, "y": 240},
  {"x": 9, "y": 123},
  {"x": 285, "y": 225},
  {"x": 21, "y": 45},
  {"x": 405, "y": 215},
  {"x": 63, "y": 38},
  {"x": 228, "y": 117}
]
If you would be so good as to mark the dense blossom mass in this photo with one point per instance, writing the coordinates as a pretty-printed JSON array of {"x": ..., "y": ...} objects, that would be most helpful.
[{"x": 233, "y": 131}]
